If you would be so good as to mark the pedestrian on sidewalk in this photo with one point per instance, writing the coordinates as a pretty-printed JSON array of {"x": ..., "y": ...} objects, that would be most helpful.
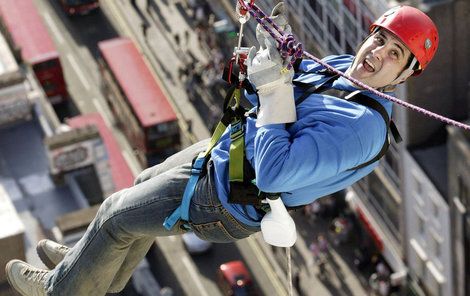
[
  {"x": 176, "y": 36},
  {"x": 189, "y": 124},
  {"x": 315, "y": 250},
  {"x": 302, "y": 152},
  {"x": 319, "y": 248},
  {"x": 134, "y": 4},
  {"x": 147, "y": 6},
  {"x": 340, "y": 229},
  {"x": 145, "y": 27},
  {"x": 323, "y": 244},
  {"x": 186, "y": 38},
  {"x": 296, "y": 283}
]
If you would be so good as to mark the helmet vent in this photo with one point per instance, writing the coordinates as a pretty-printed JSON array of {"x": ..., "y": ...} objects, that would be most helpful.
[{"x": 427, "y": 43}]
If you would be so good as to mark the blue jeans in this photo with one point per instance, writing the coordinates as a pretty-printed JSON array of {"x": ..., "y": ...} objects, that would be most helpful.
[{"x": 129, "y": 220}]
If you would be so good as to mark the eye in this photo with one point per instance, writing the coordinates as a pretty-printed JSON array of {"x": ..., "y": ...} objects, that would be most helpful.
[
  {"x": 394, "y": 54},
  {"x": 379, "y": 40}
]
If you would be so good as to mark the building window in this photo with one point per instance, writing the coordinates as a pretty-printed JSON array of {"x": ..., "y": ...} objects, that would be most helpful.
[
  {"x": 421, "y": 222},
  {"x": 437, "y": 246},
  {"x": 349, "y": 48},
  {"x": 334, "y": 30},
  {"x": 435, "y": 209},
  {"x": 466, "y": 246},
  {"x": 422, "y": 267},
  {"x": 464, "y": 192},
  {"x": 418, "y": 186},
  {"x": 420, "y": 255},
  {"x": 317, "y": 7},
  {"x": 393, "y": 157},
  {"x": 385, "y": 204},
  {"x": 418, "y": 191},
  {"x": 392, "y": 164}
]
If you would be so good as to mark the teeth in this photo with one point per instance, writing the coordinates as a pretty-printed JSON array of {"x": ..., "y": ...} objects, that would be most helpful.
[{"x": 370, "y": 64}]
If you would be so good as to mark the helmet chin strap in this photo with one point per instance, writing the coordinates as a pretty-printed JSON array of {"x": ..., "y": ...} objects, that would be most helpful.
[{"x": 405, "y": 73}]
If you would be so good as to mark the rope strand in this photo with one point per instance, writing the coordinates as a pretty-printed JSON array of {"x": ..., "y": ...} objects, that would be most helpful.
[
  {"x": 289, "y": 271},
  {"x": 261, "y": 18}
]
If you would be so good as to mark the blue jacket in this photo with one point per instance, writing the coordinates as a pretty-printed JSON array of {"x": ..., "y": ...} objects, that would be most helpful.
[{"x": 312, "y": 157}]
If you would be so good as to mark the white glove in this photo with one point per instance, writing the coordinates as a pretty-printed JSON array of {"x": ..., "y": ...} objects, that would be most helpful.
[
  {"x": 267, "y": 71},
  {"x": 279, "y": 17}
]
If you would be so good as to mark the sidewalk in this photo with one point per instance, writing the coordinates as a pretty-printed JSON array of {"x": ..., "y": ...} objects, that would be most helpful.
[{"x": 341, "y": 276}]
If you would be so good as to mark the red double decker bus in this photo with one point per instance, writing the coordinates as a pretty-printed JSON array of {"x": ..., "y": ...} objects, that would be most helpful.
[
  {"x": 140, "y": 106},
  {"x": 75, "y": 7},
  {"x": 120, "y": 170},
  {"x": 27, "y": 34}
]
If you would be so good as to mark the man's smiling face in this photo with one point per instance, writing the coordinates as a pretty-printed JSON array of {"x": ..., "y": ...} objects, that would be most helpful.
[{"x": 380, "y": 60}]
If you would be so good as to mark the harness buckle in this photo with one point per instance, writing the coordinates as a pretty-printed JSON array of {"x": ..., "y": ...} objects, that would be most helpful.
[
  {"x": 185, "y": 226},
  {"x": 237, "y": 129},
  {"x": 196, "y": 171}
]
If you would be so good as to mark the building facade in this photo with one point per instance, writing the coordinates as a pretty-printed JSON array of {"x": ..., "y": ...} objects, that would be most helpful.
[
  {"x": 459, "y": 193},
  {"x": 414, "y": 209},
  {"x": 428, "y": 239}
]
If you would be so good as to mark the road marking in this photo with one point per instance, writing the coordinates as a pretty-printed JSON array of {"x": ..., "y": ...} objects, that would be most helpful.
[
  {"x": 273, "y": 278},
  {"x": 172, "y": 238},
  {"x": 194, "y": 275},
  {"x": 135, "y": 170},
  {"x": 101, "y": 111},
  {"x": 54, "y": 29},
  {"x": 79, "y": 72}
]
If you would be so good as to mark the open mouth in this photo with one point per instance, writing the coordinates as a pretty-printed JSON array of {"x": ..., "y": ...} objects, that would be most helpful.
[{"x": 368, "y": 66}]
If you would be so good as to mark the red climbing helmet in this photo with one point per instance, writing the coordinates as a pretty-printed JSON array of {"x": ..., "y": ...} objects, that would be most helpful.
[{"x": 414, "y": 28}]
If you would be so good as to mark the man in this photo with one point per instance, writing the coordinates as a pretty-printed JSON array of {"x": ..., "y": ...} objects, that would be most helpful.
[{"x": 321, "y": 151}]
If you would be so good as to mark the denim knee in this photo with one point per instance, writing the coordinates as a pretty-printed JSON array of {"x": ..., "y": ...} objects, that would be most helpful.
[
  {"x": 111, "y": 204},
  {"x": 109, "y": 209},
  {"x": 116, "y": 287},
  {"x": 143, "y": 176}
]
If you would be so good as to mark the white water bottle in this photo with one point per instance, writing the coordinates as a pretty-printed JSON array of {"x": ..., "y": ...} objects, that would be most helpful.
[{"x": 277, "y": 226}]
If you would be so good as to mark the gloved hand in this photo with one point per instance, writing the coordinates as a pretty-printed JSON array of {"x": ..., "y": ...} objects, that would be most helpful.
[
  {"x": 279, "y": 17},
  {"x": 267, "y": 71}
]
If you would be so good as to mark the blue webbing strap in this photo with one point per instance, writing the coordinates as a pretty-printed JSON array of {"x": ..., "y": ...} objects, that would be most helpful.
[{"x": 182, "y": 212}]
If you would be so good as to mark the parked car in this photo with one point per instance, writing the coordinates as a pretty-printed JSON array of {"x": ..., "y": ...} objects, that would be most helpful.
[
  {"x": 194, "y": 245},
  {"x": 81, "y": 7},
  {"x": 234, "y": 279}
]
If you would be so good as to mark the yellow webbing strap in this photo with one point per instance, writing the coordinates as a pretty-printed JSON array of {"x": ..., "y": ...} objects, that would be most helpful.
[
  {"x": 237, "y": 145},
  {"x": 236, "y": 160},
  {"x": 237, "y": 151},
  {"x": 219, "y": 130}
]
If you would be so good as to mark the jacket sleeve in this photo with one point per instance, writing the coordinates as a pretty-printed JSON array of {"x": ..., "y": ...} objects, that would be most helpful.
[{"x": 323, "y": 149}]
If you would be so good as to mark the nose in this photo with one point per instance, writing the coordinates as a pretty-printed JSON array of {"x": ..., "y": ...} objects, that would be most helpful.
[{"x": 378, "y": 52}]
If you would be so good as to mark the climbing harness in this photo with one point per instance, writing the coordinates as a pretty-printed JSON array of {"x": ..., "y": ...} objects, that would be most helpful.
[
  {"x": 240, "y": 176},
  {"x": 233, "y": 117}
]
